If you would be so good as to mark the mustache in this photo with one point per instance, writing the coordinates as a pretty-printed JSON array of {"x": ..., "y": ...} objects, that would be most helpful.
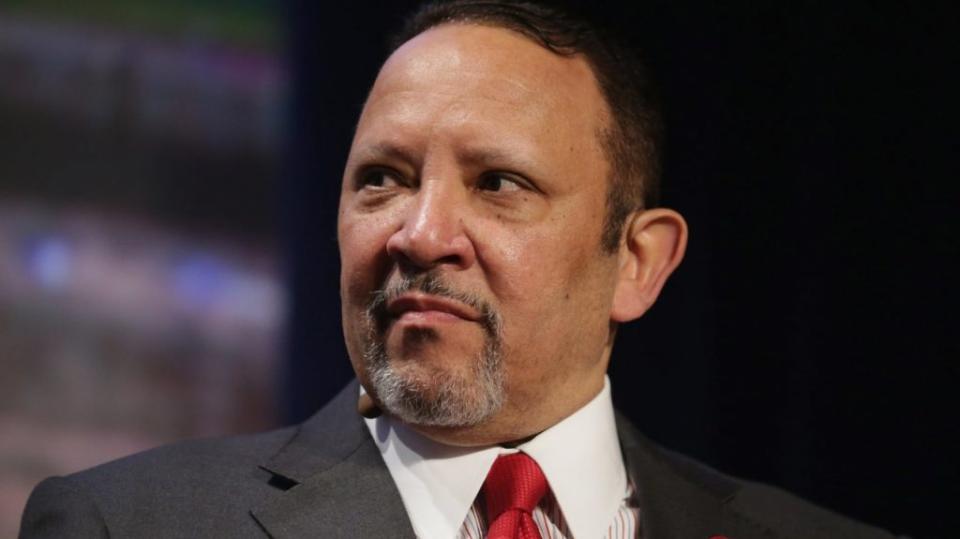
[{"x": 430, "y": 283}]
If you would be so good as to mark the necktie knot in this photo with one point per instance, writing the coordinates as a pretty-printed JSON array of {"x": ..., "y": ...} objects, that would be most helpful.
[{"x": 513, "y": 488}]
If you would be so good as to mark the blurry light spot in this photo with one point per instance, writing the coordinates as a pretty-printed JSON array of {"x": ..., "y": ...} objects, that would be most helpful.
[
  {"x": 198, "y": 280},
  {"x": 49, "y": 261}
]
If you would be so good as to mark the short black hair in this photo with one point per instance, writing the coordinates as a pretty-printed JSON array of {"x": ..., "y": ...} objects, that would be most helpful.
[{"x": 632, "y": 143}]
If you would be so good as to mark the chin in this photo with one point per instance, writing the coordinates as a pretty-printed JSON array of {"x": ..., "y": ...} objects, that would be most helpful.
[{"x": 430, "y": 390}]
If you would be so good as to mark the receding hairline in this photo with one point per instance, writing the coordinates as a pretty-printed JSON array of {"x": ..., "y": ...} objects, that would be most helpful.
[
  {"x": 496, "y": 25},
  {"x": 607, "y": 125}
]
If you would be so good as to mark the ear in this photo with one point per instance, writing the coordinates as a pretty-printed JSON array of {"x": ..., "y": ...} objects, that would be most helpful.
[{"x": 653, "y": 246}]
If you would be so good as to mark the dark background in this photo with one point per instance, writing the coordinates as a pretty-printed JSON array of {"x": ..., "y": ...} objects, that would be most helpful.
[{"x": 808, "y": 339}]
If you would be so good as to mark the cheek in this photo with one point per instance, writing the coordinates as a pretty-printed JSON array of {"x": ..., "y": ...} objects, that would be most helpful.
[
  {"x": 534, "y": 264},
  {"x": 363, "y": 260},
  {"x": 551, "y": 283}
]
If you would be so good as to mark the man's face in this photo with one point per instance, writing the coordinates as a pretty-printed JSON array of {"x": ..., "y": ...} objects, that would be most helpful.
[{"x": 476, "y": 296}]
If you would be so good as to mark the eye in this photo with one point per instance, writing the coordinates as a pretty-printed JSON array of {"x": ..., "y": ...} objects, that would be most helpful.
[
  {"x": 378, "y": 178},
  {"x": 500, "y": 182}
]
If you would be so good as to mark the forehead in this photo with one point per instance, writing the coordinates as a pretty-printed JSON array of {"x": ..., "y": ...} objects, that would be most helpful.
[{"x": 482, "y": 82}]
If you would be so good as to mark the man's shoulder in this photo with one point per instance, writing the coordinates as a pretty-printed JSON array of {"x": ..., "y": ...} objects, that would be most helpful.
[
  {"x": 190, "y": 486},
  {"x": 766, "y": 507},
  {"x": 200, "y": 461},
  {"x": 681, "y": 496},
  {"x": 199, "y": 488},
  {"x": 754, "y": 509}
]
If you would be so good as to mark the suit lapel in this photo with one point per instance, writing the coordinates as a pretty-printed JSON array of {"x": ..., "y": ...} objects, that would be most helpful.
[
  {"x": 677, "y": 497},
  {"x": 338, "y": 483},
  {"x": 332, "y": 482}
]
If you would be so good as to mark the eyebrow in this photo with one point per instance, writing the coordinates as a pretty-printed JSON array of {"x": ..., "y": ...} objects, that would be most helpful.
[
  {"x": 389, "y": 150},
  {"x": 509, "y": 159},
  {"x": 482, "y": 155},
  {"x": 485, "y": 155}
]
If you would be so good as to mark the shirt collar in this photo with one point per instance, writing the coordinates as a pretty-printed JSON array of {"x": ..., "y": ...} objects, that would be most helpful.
[{"x": 580, "y": 456}]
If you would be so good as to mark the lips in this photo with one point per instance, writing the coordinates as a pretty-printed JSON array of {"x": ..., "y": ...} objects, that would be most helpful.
[{"x": 417, "y": 306}]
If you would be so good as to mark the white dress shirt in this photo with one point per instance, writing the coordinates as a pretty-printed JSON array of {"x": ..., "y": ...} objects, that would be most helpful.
[{"x": 580, "y": 457}]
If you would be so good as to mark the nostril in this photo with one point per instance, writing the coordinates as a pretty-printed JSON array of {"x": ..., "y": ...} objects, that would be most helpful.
[
  {"x": 406, "y": 265},
  {"x": 449, "y": 259},
  {"x": 412, "y": 264}
]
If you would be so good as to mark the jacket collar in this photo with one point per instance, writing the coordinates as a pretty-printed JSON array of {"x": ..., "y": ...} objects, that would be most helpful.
[
  {"x": 334, "y": 483},
  {"x": 678, "y": 497},
  {"x": 335, "y": 480}
]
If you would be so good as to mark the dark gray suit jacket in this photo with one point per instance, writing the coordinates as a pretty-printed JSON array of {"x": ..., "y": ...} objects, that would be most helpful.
[{"x": 326, "y": 478}]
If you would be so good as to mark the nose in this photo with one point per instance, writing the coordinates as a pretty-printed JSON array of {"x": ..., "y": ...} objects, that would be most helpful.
[{"x": 433, "y": 232}]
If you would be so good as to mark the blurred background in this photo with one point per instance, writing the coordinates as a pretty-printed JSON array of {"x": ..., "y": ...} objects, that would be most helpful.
[
  {"x": 168, "y": 264},
  {"x": 141, "y": 299}
]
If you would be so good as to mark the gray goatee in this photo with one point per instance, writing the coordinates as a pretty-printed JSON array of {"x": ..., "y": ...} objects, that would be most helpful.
[{"x": 435, "y": 397}]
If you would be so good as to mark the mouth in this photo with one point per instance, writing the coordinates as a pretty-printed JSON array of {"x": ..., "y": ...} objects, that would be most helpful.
[{"x": 421, "y": 308}]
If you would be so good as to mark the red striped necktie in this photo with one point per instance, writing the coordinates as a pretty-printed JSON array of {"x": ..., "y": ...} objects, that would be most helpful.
[{"x": 512, "y": 490}]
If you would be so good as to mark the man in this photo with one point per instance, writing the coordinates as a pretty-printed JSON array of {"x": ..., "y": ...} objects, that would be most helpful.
[{"x": 496, "y": 224}]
